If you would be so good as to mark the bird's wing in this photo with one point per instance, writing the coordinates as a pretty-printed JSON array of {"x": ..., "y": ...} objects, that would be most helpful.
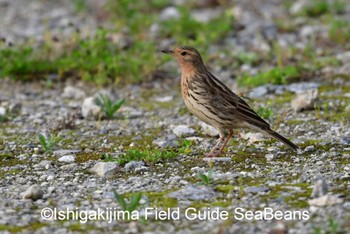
[{"x": 224, "y": 98}]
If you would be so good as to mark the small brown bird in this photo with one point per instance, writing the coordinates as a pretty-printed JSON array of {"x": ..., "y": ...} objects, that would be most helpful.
[{"x": 214, "y": 103}]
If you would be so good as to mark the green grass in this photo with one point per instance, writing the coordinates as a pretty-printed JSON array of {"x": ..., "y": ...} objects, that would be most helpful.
[
  {"x": 277, "y": 75},
  {"x": 206, "y": 179},
  {"x": 339, "y": 31},
  {"x": 132, "y": 58},
  {"x": 48, "y": 142},
  {"x": 132, "y": 205},
  {"x": 108, "y": 106}
]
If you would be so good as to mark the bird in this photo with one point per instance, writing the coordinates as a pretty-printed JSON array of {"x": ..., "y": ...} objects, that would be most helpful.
[{"x": 210, "y": 100}]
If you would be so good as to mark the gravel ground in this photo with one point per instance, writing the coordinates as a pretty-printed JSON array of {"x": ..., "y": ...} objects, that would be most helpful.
[{"x": 254, "y": 175}]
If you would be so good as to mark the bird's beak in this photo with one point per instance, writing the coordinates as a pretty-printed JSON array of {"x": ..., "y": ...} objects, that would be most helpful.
[{"x": 167, "y": 51}]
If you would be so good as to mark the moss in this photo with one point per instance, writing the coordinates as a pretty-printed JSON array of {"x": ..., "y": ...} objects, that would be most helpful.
[
  {"x": 84, "y": 157},
  {"x": 17, "y": 229},
  {"x": 160, "y": 199}
]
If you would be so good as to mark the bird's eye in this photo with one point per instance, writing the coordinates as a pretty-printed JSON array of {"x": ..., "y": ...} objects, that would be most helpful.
[{"x": 183, "y": 53}]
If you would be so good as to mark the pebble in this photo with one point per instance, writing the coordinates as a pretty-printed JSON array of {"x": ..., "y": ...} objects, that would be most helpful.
[
  {"x": 208, "y": 130},
  {"x": 305, "y": 100},
  {"x": 67, "y": 158},
  {"x": 90, "y": 110},
  {"x": 2, "y": 111},
  {"x": 309, "y": 148},
  {"x": 169, "y": 13},
  {"x": 326, "y": 200},
  {"x": 34, "y": 193},
  {"x": 320, "y": 188},
  {"x": 183, "y": 130},
  {"x": 133, "y": 165},
  {"x": 105, "y": 169},
  {"x": 256, "y": 189}
]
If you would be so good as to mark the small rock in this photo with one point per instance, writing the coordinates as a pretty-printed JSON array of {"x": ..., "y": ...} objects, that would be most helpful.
[
  {"x": 320, "y": 188},
  {"x": 104, "y": 169},
  {"x": 270, "y": 157},
  {"x": 183, "y": 130},
  {"x": 67, "y": 158},
  {"x": 164, "y": 99},
  {"x": 298, "y": 6},
  {"x": 73, "y": 93},
  {"x": 259, "y": 91},
  {"x": 34, "y": 193},
  {"x": 192, "y": 192},
  {"x": 305, "y": 100},
  {"x": 133, "y": 165},
  {"x": 256, "y": 189},
  {"x": 90, "y": 110},
  {"x": 167, "y": 141},
  {"x": 309, "y": 148},
  {"x": 217, "y": 159},
  {"x": 252, "y": 137},
  {"x": 169, "y": 13},
  {"x": 2, "y": 110},
  {"x": 325, "y": 200},
  {"x": 208, "y": 130},
  {"x": 62, "y": 152}
]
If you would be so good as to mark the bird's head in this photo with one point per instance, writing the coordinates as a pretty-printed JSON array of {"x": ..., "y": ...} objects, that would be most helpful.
[{"x": 186, "y": 56}]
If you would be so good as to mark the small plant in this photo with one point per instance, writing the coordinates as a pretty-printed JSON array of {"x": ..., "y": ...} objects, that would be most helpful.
[
  {"x": 108, "y": 106},
  {"x": 185, "y": 147},
  {"x": 277, "y": 75},
  {"x": 333, "y": 227},
  {"x": 265, "y": 112},
  {"x": 3, "y": 118},
  {"x": 133, "y": 204},
  {"x": 107, "y": 157},
  {"x": 206, "y": 179},
  {"x": 48, "y": 142}
]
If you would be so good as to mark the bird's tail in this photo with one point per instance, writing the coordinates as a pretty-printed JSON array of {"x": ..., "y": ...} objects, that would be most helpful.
[{"x": 283, "y": 140}]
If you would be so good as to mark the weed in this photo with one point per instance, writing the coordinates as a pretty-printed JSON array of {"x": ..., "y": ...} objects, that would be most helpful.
[
  {"x": 108, "y": 106},
  {"x": 206, "y": 179},
  {"x": 107, "y": 157},
  {"x": 185, "y": 147},
  {"x": 48, "y": 142},
  {"x": 265, "y": 112},
  {"x": 133, "y": 204},
  {"x": 332, "y": 227},
  {"x": 339, "y": 31},
  {"x": 276, "y": 75}
]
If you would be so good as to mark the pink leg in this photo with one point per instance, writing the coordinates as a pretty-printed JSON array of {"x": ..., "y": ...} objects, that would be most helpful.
[
  {"x": 211, "y": 153},
  {"x": 223, "y": 146}
]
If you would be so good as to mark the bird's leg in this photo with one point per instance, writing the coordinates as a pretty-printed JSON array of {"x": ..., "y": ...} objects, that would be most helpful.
[
  {"x": 223, "y": 146},
  {"x": 211, "y": 153}
]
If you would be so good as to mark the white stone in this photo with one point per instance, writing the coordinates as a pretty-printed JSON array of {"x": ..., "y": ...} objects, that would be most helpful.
[
  {"x": 103, "y": 169},
  {"x": 252, "y": 137},
  {"x": 2, "y": 110},
  {"x": 67, "y": 158},
  {"x": 34, "y": 193},
  {"x": 169, "y": 13},
  {"x": 183, "y": 130},
  {"x": 208, "y": 130},
  {"x": 305, "y": 100},
  {"x": 90, "y": 110},
  {"x": 325, "y": 200}
]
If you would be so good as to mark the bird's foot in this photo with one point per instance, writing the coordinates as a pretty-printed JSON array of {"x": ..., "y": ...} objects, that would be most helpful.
[{"x": 211, "y": 154}]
